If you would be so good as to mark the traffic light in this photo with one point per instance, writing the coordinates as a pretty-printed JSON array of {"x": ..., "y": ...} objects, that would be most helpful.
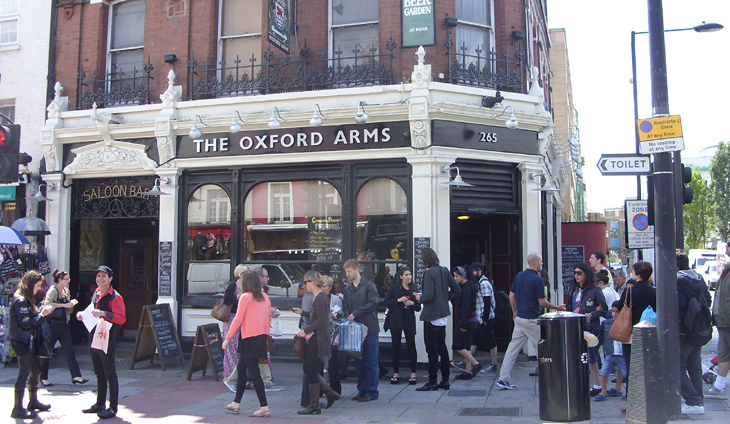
[
  {"x": 9, "y": 150},
  {"x": 687, "y": 194}
]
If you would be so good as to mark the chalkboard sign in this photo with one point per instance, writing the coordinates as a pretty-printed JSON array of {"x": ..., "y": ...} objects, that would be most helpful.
[
  {"x": 164, "y": 274},
  {"x": 419, "y": 267},
  {"x": 571, "y": 256},
  {"x": 208, "y": 347},
  {"x": 156, "y": 333}
]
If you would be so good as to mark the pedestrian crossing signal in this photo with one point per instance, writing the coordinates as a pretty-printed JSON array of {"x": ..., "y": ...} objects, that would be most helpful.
[{"x": 9, "y": 150}]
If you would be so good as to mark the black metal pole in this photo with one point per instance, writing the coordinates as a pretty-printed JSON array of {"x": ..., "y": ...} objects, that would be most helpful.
[
  {"x": 636, "y": 107},
  {"x": 665, "y": 264}
]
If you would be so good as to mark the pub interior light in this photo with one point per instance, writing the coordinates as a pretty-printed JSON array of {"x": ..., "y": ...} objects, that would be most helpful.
[
  {"x": 155, "y": 191},
  {"x": 511, "y": 122},
  {"x": 361, "y": 116},
  {"x": 273, "y": 122},
  {"x": 316, "y": 120},
  {"x": 195, "y": 132},
  {"x": 235, "y": 126}
]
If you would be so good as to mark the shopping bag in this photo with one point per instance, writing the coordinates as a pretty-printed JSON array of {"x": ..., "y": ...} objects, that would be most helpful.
[
  {"x": 352, "y": 334},
  {"x": 648, "y": 315},
  {"x": 101, "y": 336},
  {"x": 276, "y": 327}
]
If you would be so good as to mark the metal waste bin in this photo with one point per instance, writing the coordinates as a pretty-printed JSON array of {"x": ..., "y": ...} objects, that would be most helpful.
[{"x": 563, "y": 368}]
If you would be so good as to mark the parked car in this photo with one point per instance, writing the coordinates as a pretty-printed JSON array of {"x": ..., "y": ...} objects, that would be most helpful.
[
  {"x": 710, "y": 274},
  {"x": 212, "y": 278}
]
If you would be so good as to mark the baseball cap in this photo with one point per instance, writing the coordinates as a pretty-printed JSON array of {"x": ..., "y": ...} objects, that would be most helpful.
[{"x": 105, "y": 269}]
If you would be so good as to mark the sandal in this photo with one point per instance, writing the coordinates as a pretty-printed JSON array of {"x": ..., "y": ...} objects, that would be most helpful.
[
  {"x": 234, "y": 409},
  {"x": 413, "y": 380},
  {"x": 261, "y": 413},
  {"x": 395, "y": 380}
]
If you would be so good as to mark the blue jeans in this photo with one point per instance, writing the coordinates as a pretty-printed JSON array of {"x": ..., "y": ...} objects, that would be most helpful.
[{"x": 367, "y": 367}]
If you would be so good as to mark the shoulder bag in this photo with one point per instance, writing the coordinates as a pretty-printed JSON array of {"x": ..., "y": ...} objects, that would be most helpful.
[
  {"x": 622, "y": 325},
  {"x": 300, "y": 345},
  {"x": 221, "y": 311}
]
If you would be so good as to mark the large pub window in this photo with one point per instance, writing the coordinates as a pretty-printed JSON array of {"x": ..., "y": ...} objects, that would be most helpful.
[
  {"x": 382, "y": 231},
  {"x": 291, "y": 227},
  {"x": 208, "y": 239}
]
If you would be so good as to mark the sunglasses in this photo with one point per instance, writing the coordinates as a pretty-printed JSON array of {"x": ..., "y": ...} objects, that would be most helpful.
[{"x": 579, "y": 273}]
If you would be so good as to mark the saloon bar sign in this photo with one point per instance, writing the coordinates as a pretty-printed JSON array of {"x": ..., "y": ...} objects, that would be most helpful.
[
  {"x": 113, "y": 198},
  {"x": 298, "y": 140},
  {"x": 418, "y": 21}
]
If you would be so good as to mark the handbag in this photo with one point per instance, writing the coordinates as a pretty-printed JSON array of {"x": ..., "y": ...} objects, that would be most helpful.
[
  {"x": 300, "y": 347},
  {"x": 221, "y": 311},
  {"x": 622, "y": 324}
]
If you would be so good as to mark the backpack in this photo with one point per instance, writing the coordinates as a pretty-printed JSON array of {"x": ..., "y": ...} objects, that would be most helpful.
[
  {"x": 502, "y": 308},
  {"x": 697, "y": 317}
]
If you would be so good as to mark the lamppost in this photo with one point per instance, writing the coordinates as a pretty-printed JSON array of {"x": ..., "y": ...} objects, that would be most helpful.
[{"x": 677, "y": 157}]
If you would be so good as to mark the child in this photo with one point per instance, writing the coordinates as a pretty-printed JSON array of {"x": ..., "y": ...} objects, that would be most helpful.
[{"x": 613, "y": 358}]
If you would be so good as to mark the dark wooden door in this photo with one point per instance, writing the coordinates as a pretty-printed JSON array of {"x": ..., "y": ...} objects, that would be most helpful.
[
  {"x": 137, "y": 276},
  {"x": 503, "y": 256}
]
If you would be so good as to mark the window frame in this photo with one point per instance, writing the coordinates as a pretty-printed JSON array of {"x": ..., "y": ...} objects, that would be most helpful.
[
  {"x": 488, "y": 28},
  {"x": 331, "y": 32},
  {"x": 223, "y": 38},
  {"x": 110, "y": 51},
  {"x": 11, "y": 17}
]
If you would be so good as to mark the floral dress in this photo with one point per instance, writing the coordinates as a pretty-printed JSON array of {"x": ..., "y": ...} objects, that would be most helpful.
[{"x": 230, "y": 357}]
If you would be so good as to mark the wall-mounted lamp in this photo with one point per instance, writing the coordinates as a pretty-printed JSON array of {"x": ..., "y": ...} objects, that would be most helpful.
[
  {"x": 457, "y": 181},
  {"x": 195, "y": 132},
  {"x": 451, "y": 21},
  {"x": 511, "y": 122},
  {"x": 316, "y": 120},
  {"x": 235, "y": 126},
  {"x": 170, "y": 58},
  {"x": 155, "y": 191},
  {"x": 361, "y": 116},
  {"x": 541, "y": 178},
  {"x": 273, "y": 122},
  {"x": 39, "y": 197},
  {"x": 491, "y": 101}
]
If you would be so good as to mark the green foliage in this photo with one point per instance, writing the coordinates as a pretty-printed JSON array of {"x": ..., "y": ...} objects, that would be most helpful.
[
  {"x": 699, "y": 218},
  {"x": 720, "y": 187}
]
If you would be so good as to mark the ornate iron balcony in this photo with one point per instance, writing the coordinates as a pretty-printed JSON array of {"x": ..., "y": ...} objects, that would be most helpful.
[
  {"x": 482, "y": 69},
  {"x": 116, "y": 88},
  {"x": 303, "y": 73}
]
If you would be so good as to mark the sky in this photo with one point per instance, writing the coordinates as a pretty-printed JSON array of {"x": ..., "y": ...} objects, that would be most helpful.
[{"x": 598, "y": 36}]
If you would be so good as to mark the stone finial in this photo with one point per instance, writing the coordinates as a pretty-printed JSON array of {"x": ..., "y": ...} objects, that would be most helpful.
[
  {"x": 536, "y": 90},
  {"x": 58, "y": 104},
  {"x": 170, "y": 79},
  {"x": 421, "y": 54},
  {"x": 172, "y": 94},
  {"x": 58, "y": 89},
  {"x": 421, "y": 75}
]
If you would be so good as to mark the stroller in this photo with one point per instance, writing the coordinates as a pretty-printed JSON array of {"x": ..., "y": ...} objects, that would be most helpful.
[{"x": 711, "y": 374}]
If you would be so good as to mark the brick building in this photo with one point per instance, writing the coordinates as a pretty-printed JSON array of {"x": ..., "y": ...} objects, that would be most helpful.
[{"x": 358, "y": 142}]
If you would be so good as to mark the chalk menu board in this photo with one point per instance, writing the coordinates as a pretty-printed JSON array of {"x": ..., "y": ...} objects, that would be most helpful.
[
  {"x": 325, "y": 238},
  {"x": 156, "y": 333},
  {"x": 418, "y": 265},
  {"x": 571, "y": 255},
  {"x": 208, "y": 347},
  {"x": 164, "y": 274}
]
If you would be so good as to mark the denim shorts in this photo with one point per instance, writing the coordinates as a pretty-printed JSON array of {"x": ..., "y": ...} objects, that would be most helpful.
[
  {"x": 610, "y": 362},
  {"x": 592, "y": 355}
]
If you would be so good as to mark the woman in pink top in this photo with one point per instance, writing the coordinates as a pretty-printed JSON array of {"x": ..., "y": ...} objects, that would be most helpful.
[{"x": 252, "y": 317}]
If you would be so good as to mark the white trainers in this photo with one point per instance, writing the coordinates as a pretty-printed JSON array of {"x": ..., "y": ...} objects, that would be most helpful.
[
  {"x": 692, "y": 410},
  {"x": 506, "y": 385},
  {"x": 231, "y": 387},
  {"x": 273, "y": 388},
  {"x": 712, "y": 393}
]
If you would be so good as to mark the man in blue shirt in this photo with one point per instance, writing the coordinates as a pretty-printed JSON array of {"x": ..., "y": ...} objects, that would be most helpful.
[{"x": 526, "y": 297}]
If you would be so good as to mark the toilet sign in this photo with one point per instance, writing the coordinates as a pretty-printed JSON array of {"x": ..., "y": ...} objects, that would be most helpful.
[{"x": 624, "y": 164}]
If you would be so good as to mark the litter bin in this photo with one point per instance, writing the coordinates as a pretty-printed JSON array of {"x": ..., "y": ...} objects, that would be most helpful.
[{"x": 563, "y": 368}]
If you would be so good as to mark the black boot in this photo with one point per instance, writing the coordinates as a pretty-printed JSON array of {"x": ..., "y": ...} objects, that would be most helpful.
[
  {"x": 314, "y": 405},
  {"x": 33, "y": 402},
  {"x": 332, "y": 395},
  {"x": 18, "y": 410}
]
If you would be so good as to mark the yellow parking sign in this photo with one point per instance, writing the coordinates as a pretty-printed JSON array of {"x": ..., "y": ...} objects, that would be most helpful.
[{"x": 659, "y": 128}]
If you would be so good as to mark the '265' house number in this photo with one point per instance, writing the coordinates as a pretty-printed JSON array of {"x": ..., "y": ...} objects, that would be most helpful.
[{"x": 486, "y": 137}]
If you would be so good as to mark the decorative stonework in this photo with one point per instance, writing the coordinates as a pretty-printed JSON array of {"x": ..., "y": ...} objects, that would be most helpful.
[
  {"x": 58, "y": 104},
  {"x": 119, "y": 156},
  {"x": 49, "y": 153},
  {"x": 165, "y": 150},
  {"x": 170, "y": 96},
  {"x": 536, "y": 90},
  {"x": 421, "y": 75},
  {"x": 419, "y": 135}
]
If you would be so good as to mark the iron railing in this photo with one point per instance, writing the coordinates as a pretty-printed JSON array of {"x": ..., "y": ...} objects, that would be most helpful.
[
  {"x": 478, "y": 68},
  {"x": 306, "y": 72},
  {"x": 115, "y": 88}
]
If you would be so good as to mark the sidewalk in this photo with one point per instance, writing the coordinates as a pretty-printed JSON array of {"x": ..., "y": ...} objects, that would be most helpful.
[{"x": 147, "y": 393}]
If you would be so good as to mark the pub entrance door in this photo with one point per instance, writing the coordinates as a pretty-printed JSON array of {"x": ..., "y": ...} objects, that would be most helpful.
[{"x": 137, "y": 276}]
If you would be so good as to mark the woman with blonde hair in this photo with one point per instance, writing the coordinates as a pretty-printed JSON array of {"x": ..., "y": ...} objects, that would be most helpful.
[
  {"x": 253, "y": 318},
  {"x": 318, "y": 345},
  {"x": 59, "y": 297},
  {"x": 26, "y": 340},
  {"x": 230, "y": 356}
]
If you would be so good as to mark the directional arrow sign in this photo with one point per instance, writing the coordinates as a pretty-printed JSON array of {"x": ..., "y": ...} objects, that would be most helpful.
[{"x": 624, "y": 164}]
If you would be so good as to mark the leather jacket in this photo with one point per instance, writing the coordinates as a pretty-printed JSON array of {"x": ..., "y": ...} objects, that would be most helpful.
[{"x": 24, "y": 320}]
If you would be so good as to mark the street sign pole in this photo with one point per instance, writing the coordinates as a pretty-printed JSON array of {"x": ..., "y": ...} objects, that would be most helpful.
[{"x": 664, "y": 226}]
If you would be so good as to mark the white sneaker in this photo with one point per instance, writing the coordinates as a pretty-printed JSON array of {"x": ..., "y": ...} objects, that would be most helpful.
[
  {"x": 231, "y": 387},
  {"x": 274, "y": 388},
  {"x": 692, "y": 410},
  {"x": 712, "y": 393}
]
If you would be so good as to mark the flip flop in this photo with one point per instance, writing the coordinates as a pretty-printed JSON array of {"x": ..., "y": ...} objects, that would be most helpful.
[{"x": 395, "y": 380}]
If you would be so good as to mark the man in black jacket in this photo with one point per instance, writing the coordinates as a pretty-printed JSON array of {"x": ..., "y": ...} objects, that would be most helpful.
[
  {"x": 689, "y": 284},
  {"x": 359, "y": 304}
]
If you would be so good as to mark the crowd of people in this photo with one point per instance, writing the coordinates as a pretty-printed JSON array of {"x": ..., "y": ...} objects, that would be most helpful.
[{"x": 598, "y": 294}]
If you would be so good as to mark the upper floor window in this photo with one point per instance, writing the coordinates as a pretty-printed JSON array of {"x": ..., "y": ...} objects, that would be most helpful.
[
  {"x": 475, "y": 31},
  {"x": 239, "y": 34},
  {"x": 126, "y": 38},
  {"x": 354, "y": 27},
  {"x": 7, "y": 108},
  {"x": 9, "y": 18},
  {"x": 280, "y": 203}
]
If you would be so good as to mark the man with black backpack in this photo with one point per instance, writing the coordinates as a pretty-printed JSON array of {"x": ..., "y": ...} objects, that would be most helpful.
[{"x": 695, "y": 330}]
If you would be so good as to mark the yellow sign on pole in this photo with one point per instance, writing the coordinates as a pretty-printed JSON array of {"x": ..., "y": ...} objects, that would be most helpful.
[{"x": 659, "y": 128}]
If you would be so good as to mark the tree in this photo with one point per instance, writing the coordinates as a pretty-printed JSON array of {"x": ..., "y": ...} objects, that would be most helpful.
[
  {"x": 720, "y": 187},
  {"x": 699, "y": 217}
]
